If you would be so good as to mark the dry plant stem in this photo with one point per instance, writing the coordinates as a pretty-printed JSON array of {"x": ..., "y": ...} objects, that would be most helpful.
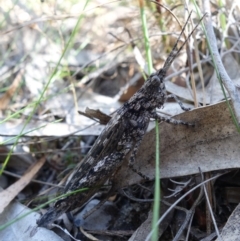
[
  {"x": 189, "y": 228},
  {"x": 198, "y": 62},
  {"x": 192, "y": 90},
  {"x": 180, "y": 199},
  {"x": 210, "y": 208},
  {"x": 209, "y": 194},
  {"x": 33, "y": 180},
  {"x": 189, "y": 215},
  {"x": 192, "y": 79},
  {"x": 233, "y": 92}
]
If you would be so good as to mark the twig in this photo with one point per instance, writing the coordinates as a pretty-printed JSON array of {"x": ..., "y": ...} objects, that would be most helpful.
[
  {"x": 33, "y": 180},
  {"x": 210, "y": 209},
  {"x": 189, "y": 215}
]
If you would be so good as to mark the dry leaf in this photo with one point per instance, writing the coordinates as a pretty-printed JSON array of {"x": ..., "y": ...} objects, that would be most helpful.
[
  {"x": 21, "y": 230},
  {"x": 12, "y": 191},
  {"x": 213, "y": 144},
  {"x": 231, "y": 231}
]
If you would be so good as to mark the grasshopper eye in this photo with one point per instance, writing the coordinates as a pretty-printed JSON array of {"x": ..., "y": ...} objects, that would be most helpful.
[{"x": 155, "y": 80}]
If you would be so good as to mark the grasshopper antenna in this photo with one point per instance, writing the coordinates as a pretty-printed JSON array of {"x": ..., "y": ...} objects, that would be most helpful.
[{"x": 175, "y": 51}]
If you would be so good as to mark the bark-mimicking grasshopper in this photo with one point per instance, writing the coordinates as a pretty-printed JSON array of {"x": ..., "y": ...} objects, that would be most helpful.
[{"x": 121, "y": 136}]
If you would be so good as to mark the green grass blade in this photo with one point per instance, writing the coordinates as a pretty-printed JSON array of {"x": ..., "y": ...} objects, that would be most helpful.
[{"x": 156, "y": 205}]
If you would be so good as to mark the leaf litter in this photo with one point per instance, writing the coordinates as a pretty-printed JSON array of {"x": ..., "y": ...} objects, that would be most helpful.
[{"x": 213, "y": 145}]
